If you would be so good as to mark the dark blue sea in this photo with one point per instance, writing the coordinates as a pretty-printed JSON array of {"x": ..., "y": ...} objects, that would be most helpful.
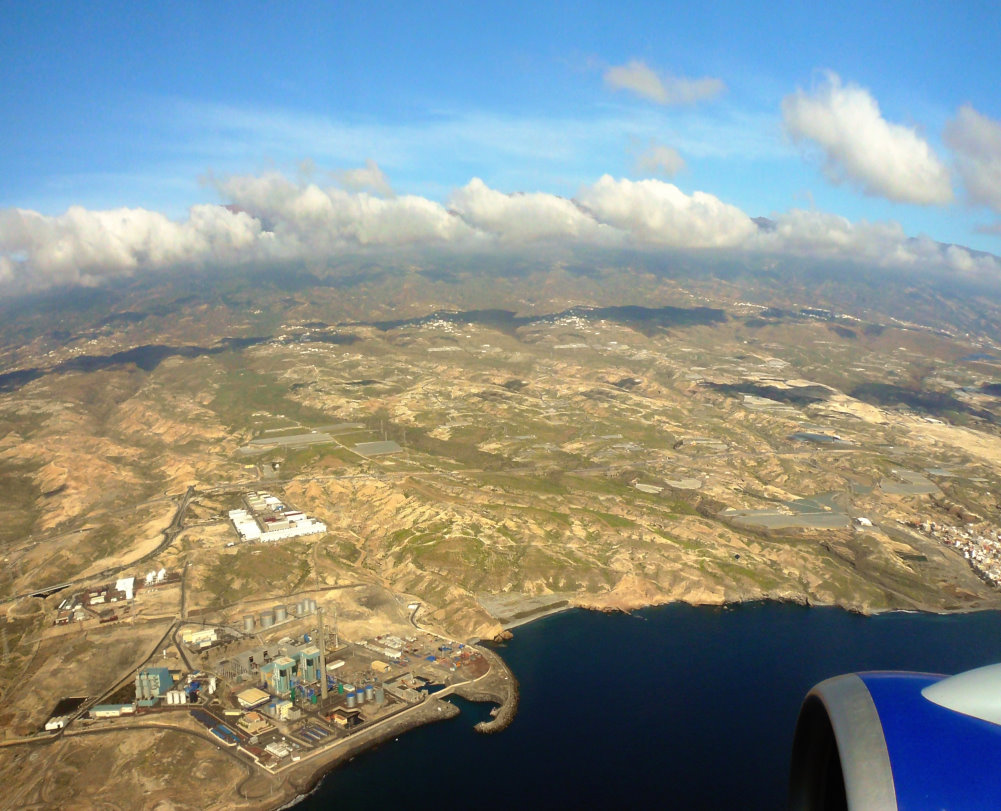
[{"x": 673, "y": 707}]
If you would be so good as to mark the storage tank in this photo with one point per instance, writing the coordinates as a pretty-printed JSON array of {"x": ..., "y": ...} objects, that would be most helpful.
[
  {"x": 369, "y": 692},
  {"x": 380, "y": 695},
  {"x": 267, "y": 619},
  {"x": 310, "y": 605},
  {"x": 300, "y": 608},
  {"x": 351, "y": 701},
  {"x": 281, "y": 613},
  {"x": 360, "y": 693},
  {"x": 248, "y": 623}
]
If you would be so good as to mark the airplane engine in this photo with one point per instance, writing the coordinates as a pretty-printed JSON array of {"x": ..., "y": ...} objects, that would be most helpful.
[{"x": 899, "y": 741}]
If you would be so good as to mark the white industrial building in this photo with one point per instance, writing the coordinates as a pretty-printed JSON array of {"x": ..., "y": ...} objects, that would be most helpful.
[
  {"x": 271, "y": 520},
  {"x": 199, "y": 638},
  {"x": 245, "y": 525},
  {"x": 126, "y": 586}
]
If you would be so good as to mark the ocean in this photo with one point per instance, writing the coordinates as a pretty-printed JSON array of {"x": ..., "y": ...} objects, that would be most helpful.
[{"x": 675, "y": 707}]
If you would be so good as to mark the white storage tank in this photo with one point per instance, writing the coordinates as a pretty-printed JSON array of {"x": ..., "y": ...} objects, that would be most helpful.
[{"x": 281, "y": 613}]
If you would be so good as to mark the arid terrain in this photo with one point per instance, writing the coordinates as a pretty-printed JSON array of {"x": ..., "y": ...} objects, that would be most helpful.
[{"x": 610, "y": 440}]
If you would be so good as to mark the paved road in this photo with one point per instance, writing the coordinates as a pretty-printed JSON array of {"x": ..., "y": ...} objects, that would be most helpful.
[{"x": 175, "y": 526}]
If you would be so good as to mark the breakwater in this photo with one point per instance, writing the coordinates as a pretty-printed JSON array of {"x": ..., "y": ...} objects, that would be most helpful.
[{"x": 677, "y": 706}]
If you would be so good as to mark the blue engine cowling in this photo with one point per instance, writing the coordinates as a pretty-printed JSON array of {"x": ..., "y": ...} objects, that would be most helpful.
[{"x": 906, "y": 741}]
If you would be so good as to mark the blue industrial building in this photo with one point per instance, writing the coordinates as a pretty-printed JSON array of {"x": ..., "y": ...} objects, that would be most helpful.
[
  {"x": 308, "y": 660},
  {"x": 153, "y": 682},
  {"x": 278, "y": 675}
]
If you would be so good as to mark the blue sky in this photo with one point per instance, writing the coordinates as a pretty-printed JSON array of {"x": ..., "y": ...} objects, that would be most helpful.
[{"x": 106, "y": 106}]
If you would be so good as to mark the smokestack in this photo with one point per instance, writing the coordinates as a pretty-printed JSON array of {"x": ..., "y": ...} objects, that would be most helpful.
[{"x": 323, "y": 655}]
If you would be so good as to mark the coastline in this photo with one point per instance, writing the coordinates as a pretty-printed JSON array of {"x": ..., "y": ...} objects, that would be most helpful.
[
  {"x": 549, "y": 716},
  {"x": 302, "y": 780},
  {"x": 517, "y": 622},
  {"x": 499, "y": 686}
]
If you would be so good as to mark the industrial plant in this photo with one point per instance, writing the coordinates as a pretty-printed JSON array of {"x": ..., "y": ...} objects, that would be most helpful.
[
  {"x": 276, "y": 685},
  {"x": 266, "y": 518}
]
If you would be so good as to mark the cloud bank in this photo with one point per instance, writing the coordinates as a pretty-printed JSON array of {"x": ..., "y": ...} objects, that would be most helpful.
[
  {"x": 271, "y": 218},
  {"x": 863, "y": 148},
  {"x": 643, "y": 81},
  {"x": 81, "y": 246},
  {"x": 652, "y": 212}
]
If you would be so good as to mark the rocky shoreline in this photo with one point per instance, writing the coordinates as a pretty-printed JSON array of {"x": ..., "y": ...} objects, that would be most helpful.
[
  {"x": 304, "y": 779},
  {"x": 498, "y": 686}
]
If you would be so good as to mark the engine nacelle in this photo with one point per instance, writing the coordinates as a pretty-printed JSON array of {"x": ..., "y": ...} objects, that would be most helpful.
[{"x": 890, "y": 740}]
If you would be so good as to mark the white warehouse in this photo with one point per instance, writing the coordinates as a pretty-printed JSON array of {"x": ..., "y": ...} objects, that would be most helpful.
[{"x": 270, "y": 520}]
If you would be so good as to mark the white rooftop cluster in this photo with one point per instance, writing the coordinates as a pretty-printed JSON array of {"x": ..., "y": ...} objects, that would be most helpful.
[
  {"x": 271, "y": 520},
  {"x": 245, "y": 525},
  {"x": 981, "y": 548}
]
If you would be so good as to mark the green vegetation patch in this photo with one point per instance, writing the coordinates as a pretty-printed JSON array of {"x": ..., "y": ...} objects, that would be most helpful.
[
  {"x": 20, "y": 511},
  {"x": 257, "y": 570},
  {"x": 611, "y": 519},
  {"x": 547, "y": 485}
]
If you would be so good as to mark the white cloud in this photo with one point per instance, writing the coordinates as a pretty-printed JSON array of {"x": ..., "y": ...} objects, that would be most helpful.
[
  {"x": 308, "y": 220},
  {"x": 273, "y": 219},
  {"x": 522, "y": 217},
  {"x": 660, "y": 159},
  {"x": 976, "y": 141},
  {"x": 821, "y": 235},
  {"x": 80, "y": 245},
  {"x": 638, "y": 78},
  {"x": 860, "y": 146},
  {"x": 365, "y": 178},
  {"x": 658, "y": 213}
]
